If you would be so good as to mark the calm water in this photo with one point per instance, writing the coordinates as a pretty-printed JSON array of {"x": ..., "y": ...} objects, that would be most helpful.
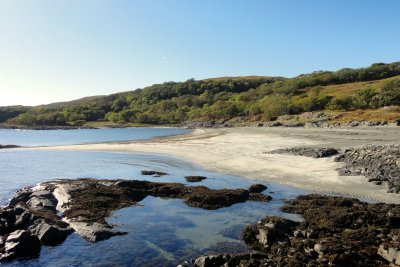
[
  {"x": 68, "y": 137},
  {"x": 162, "y": 232}
]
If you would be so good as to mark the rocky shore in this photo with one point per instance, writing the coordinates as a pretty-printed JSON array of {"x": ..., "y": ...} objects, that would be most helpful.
[
  {"x": 307, "y": 152},
  {"x": 317, "y": 119},
  {"x": 47, "y": 213},
  {"x": 336, "y": 231},
  {"x": 379, "y": 163}
]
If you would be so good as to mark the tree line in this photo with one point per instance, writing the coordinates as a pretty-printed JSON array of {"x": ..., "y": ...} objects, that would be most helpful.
[{"x": 258, "y": 98}]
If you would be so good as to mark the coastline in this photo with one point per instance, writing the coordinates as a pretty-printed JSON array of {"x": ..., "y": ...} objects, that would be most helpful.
[{"x": 244, "y": 152}]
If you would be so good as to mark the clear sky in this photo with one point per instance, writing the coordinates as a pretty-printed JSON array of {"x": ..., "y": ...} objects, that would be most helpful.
[{"x": 54, "y": 50}]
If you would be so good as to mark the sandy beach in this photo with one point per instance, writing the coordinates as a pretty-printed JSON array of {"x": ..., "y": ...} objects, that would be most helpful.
[{"x": 244, "y": 152}]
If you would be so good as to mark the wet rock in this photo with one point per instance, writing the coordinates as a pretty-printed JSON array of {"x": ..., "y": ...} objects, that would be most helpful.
[
  {"x": 194, "y": 179},
  {"x": 336, "y": 231},
  {"x": 267, "y": 232},
  {"x": 257, "y": 188},
  {"x": 307, "y": 151},
  {"x": 154, "y": 173},
  {"x": 93, "y": 231},
  {"x": 49, "y": 212},
  {"x": 379, "y": 163},
  {"x": 21, "y": 195},
  {"x": 8, "y": 146},
  {"x": 50, "y": 235},
  {"x": 215, "y": 199},
  {"x": 259, "y": 197},
  {"x": 210, "y": 261},
  {"x": 20, "y": 243}
]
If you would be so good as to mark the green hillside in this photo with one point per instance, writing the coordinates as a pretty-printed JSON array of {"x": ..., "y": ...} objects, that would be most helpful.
[{"x": 252, "y": 98}]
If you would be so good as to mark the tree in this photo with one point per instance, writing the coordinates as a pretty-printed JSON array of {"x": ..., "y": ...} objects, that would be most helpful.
[
  {"x": 391, "y": 93},
  {"x": 365, "y": 97}
]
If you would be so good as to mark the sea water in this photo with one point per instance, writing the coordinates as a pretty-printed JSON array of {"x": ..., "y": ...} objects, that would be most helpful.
[{"x": 161, "y": 232}]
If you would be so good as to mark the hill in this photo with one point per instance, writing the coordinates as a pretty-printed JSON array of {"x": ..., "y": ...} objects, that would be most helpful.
[
  {"x": 251, "y": 98},
  {"x": 63, "y": 104}
]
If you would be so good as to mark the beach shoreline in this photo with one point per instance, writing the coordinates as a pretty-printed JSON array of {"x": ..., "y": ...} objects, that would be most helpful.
[{"x": 244, "y": 152}]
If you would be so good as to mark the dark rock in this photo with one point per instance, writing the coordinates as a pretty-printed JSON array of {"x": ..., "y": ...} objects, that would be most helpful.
[
  {"x": 268, "y": 231},
  {"x": 307, "y": 151},
  {"x": 20, "y": 244},
  {"x": 50, "y": 235},
  {"x": 257, "y": 188},
  {"x": 259, "y": 197},
  {"x": 48, "y": 212},
  {"x": 293, "y": 124},
  {"x": 207, "y": 124},
  {"x": 154, "y": 173},
  {"x": 273, "y": 124},
  {"x": 21, "y": 195},
  {"x": 215, "y": 199},
  {"x": 194, "y": 179},
  {"x": 8, "y": 146},
  {"x": 210, "y": 261},
  {"x": 336, "y": 231}
]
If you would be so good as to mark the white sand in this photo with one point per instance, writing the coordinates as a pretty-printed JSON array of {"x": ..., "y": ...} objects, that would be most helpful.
[{"x": 241, "y": 151}]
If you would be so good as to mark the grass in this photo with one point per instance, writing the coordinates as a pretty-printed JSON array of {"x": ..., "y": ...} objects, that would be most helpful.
[
  {"x": 389, "y": 114},
  {"x": 351, "y": 88}
]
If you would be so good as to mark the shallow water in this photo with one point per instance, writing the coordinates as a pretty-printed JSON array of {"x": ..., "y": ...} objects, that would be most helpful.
[
  {"x": 82, "y": 136},
  {"x": 161, "y": 232}
]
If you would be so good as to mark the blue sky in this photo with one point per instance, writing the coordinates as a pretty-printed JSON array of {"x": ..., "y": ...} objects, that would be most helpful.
[{"x": 54, "y": 50}]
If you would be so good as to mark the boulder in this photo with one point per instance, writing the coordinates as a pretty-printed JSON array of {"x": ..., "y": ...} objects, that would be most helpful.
[
  {"x": 195, "y": 178},
  {"x": 8, "y": 146},
  {"x": 20, "y": 196},
  {"x": 257, "y": 188},
  {"x": 259, "y": 197},
  {"x": 50, "y": 235},
  {"x": 210, "y": 261},
  {"x": 154, "y": 173},
  {"x": 20, "y": 243},
  {"x": 215, "y": 199},
  {"x": 268, "y": 231}
]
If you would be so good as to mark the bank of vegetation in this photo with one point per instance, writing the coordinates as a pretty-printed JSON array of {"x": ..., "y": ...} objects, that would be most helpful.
[{"x": 252, "y": 98}]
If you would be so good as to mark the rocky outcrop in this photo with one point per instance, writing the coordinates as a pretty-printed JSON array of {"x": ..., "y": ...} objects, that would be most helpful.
[
  {"x": 207, "y": 124},
  {"x": 154, "y": 173},
  {"x": 28, "y": 222},
  {"x": 379, "y": 163},
  {"x": 8, "y": 146},
  {"x": 47, "y": 213},
  {"x": 307, "y": 151},
  {"x": 195, "y": 178},
  {"x": 335, "y": 231},
  {"x": 257, "y": 188}
]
